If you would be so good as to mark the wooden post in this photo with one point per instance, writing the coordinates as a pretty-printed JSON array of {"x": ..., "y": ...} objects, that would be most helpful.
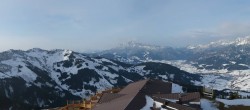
[
  {"x": 90, "y": 104},
  {"x": 84, "y": 104}
]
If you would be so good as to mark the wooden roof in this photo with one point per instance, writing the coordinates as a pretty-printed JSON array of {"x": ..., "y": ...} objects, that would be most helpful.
[
  {"x": 121, "y": 102},
  {"x": 132, "y": 97},
  {"x": 185, "y": 97},
  {"x": 173, "y": 105},
  {"x": 107, "y": 97}
]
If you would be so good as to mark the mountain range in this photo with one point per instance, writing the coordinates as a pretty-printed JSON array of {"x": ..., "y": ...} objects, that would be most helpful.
[
  {"x": 223, "y": 54},
  {"x": 223, "y": 64},
  {"x": 38, "y": 78}
]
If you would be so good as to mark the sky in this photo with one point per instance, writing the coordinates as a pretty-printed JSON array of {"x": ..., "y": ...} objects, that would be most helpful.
[{"x": 89, "y": 25}]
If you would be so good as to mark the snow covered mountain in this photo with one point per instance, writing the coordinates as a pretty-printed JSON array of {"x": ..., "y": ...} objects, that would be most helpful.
[
  {"x": 230, "y": 55},
  {"x": 222, "y": 64},
  {"x": 223, "y": 43},
  {"x": 223, "y": 54},
  {"x": 133, "y": 52},
  {"x": 39, "y": 78}
]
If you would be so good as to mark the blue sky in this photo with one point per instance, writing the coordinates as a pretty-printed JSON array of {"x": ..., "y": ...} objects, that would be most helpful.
[{"x": 85, "y": 25}]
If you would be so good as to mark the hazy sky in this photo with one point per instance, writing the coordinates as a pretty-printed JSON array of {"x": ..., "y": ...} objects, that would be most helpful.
[{"x": 84, "y": 25}]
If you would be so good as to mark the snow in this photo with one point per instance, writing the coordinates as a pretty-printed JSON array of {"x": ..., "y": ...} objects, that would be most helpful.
[
  {"x": 237, "y": 41},
  {"x": 233, "y": 62},
  {"x": 224, "y": 64},
  {"x": 176, "y": 88},
  {"x": 25, "y": 73},
  {"x": 242, "y": 93},
  {"x": 114, "y": 67},
  {"x": 46, "y": 60},
  {"x": 40, "y": 102},
  {"x": 244, "y": 102},
  {"x": 150, "y": 102},
  {"x": 241, "y": 79},
  {"x": 106, "y": 60},
  {"x": 6, "y": 93},
  {"x": 217, "y": 79},
  {"x": 191, "y": 47},
  {"x": 243, "y": 64},
  {"x": 127, "y": 80},
  {"x": 215, "y": 82},
  {"x": 66, "y": 54},
  {"x": 2, "y": 75},
  {"x": 172, "y": 100},
  {"x": 101, "y": 85},
  {"x": 242, "y": 41},
  {"x": 10, "y": 108},
  {"x": 139, "y": 69},
  {"x": 207, "y": 105},
  {"x": 171, "y": 76},
  {"x": 163, "y": 76},
  {"x": 11, "y": 89},
  {"x": 108, "y": 74}
]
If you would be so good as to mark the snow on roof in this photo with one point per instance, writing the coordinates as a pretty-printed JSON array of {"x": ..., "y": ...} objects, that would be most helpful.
[
  {"x": 176, "y": 88},
  {"x": 245, "y": 102}
]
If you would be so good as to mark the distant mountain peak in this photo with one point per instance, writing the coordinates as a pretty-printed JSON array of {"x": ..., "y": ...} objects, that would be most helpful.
[
  {"x": 238, "y": 41},
  {"x": 67, "y": 51},
  {"x": 134, "y": 44},
  {"x": 36, "y": 50},
  {"x": 243, "y": 41}
]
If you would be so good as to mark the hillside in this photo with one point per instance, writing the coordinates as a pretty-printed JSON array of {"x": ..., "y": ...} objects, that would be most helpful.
[{"x": 39, "y": 78}]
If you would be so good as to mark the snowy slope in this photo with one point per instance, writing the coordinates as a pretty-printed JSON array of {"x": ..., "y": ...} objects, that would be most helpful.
[
  {"x": 208, "y": 105},
  {"x": 218, "y": 79},
  {"x": 244, "y": 102},
  {"x": 39, "y": 78}
]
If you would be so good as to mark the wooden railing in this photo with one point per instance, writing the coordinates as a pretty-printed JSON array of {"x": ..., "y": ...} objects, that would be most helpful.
[{"x": 87, "y": 104}]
